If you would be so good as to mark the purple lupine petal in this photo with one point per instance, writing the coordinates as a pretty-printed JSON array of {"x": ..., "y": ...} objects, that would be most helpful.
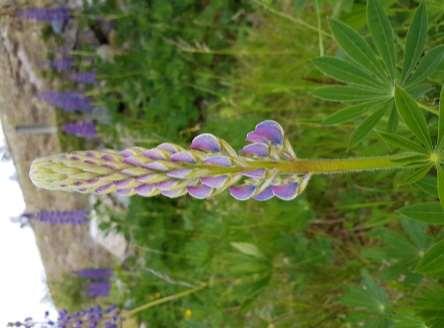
[
  {"x": 145, "y": 189},
  {"x": 124, "y": 192},
  {"x": 214, "y": 182},
  {"x": 105, "y": 188},
  {"x": 173, "y": 193},
  {"x": 256, "y": 149},
  {"x": 179, "y": 173},
  {"x": 107, "y": 158},
  {"x": 199, "y": 191},
  {"x": 169, "y": 147},
  {"x": 255, "y": 174},
  {"x": 154, "y": 154},
  {"x": 150, "y": 178},
  {"x": 122, "y": 183},
  {"x": 265, "y": 194},
  {"x": 132, "y": 161},
  {"x": 206, "y": 142},
  {"x": 126, "y": 153},
  {"x": 243, "y": 192},
  {"x": 286, "y": 191},
  {"x": 267, "y": 131},
  {"x": 166, "y": 185},
  {"x": 218, "y": 160},
  {"x": 158, "y": 166},
  {"x": 183, "y": 157}
]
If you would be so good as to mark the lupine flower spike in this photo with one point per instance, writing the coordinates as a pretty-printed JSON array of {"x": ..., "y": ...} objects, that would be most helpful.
[
  {"x": 69, "y": 101},
  {"x": 45, "y": 14},
  {"x": 74, "y": 217},
  {"x": 95, "y": 273},
  {"x": 96, "y": 289},
  {"x": 94, "y": 317},
  {"x": 81, "y": 129},
  {"x": 62, "y": 64},
  {"x": 207, "y": 168}
]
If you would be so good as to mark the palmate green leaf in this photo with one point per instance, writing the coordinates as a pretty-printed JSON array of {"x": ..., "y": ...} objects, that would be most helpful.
[
  {"x": 355, "y": 46},
  {"x": 349, "y": 93},
  {"x": 408, "y": 320},
  {"x": 441, "y": 119},
  {"x": 366, "y": 126},
  {"x": 393, "y": 121},
  {"x": 417, "y": 233},
  {"x": 416, "y": 39},
  {"x": 412, "y": 176},
  {"x": 413, "y": 116},
  {"x": 348, "y": 72},
  {"x": 430, "y": 212},
  {"x": 428, "y": 186},
  {"x": 432, "y": 264},
  {"x": 382, "y": 34},
  {"x": 440, "y": 184},
  {"x": 348, "y": 113},
  {"x": 368, "y": 297},
  {"x": 396, "y": 140},
  {"x": 427, "y": 66}
]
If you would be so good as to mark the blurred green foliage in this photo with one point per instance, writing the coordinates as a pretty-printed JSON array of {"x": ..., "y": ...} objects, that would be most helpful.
[{"x": 339, "y": 256}]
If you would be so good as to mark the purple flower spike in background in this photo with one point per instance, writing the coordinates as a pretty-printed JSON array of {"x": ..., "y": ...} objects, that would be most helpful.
[
  {"x": 96, "y": 316},
  {"x": 75, "y": 217},
  {"x": 69, "y": 101},
  {"x": 98, "y": 289},
  {"x": 95, "y": 273},
  {"x": 62, "y": 64},
  {"x": 84, "y": 77},
  {"x": 81, "y": 129},
  {"x": 60, "y": 14}
]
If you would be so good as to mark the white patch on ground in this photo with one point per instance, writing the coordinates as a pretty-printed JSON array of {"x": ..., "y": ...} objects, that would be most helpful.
[
  {"x": 22, "y": 278},
  {"x": 112, "y": 242}
]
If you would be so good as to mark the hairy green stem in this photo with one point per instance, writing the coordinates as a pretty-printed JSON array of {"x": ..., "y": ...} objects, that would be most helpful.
[
  {"x": 330, "y": 166},
  {"x": 320, "y": 37},
  {"x": 166, "y": 299},
  {"x": 318, "y": 166},
  {"x": 290, "y": 18}
]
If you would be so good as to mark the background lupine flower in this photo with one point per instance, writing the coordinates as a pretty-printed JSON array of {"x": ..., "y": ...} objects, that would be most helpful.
[
  {"x": 210, "y": 166},
  {"x": 74, "y": 217},
  {"x": 96, "y": 289},
  {"x": 62, "y": 64},
  {"x": 84, "y": 77},
  {"x": 68, "y": 100},
  {"x": 81, "y": 129},
  {"x": 93, "y": 317},
  {"x": 49, "y": 15},
  {"x": 95, "y": 273}
]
